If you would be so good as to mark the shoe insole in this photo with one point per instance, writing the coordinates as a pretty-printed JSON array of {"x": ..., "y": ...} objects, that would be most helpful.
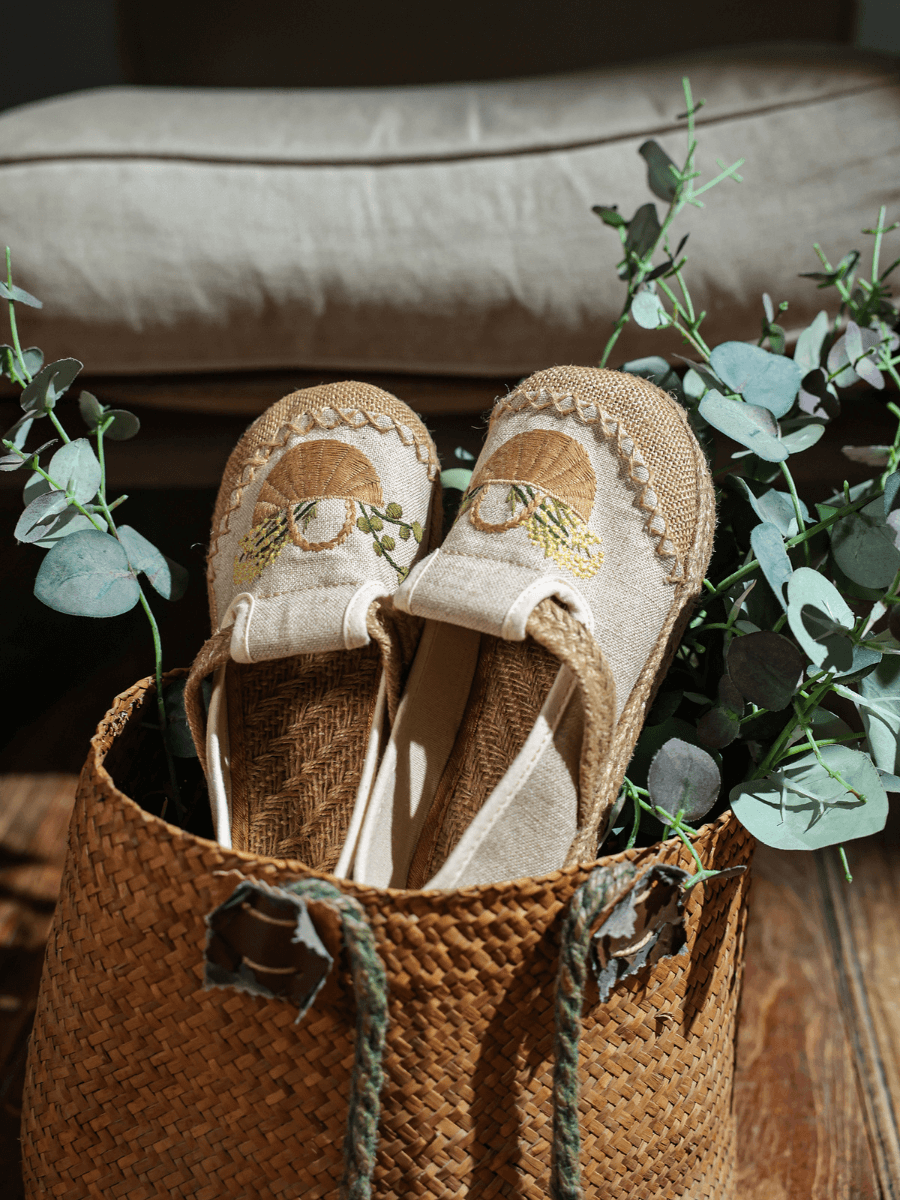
[{"x": 303, "y": 726}]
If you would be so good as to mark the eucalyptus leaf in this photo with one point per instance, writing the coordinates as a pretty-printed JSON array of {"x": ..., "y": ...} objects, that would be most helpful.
[
  {"x": 463, "y": 455},
  {"x": 848, "y": 349},
  {"x": 819, "y": 619},
  {"x": 91, "y": 409},
  {"x": 76, "y": 469},
  {"x": 880, "y": 712},
  {"x": 124, "y": 424},
  {"x": 660, "y": 177},
  {"x": 684, "y": 778},
  {"x": 11, "y": 364},
  {"x": 643, "y": 230},
  {"x": 35, "y": 486},
  {"x": 801, "y": 807},
  {"x": 767, "y": 545},
  {"x": 802, "y": 439},
  {"x": 656, "y": 369},
  {"x": 164, "y": 576},
  {"x": 863, "y": 546},
  {"x": 891, "y": 493},
  {"x": 49, "y": 384},
  {"x": 818, "y": 397},
  {"x": 609, "y": 215},
  {"x": 456, "y": 477},
  {"x": 766, "y": 668},
  {"x": 38, "y": 517},
  {"x": 735, "y": 419},
  {"x": 87, "y": 575},
  {"x": 777, "y": 508},
  {"x": 890, "y": 783},
  {"x": 768, "y": 380},
  {"x": 20, "y": 296},
  {"x": 18, "y": 433},
  {"x": 648, "y": 312},
  {"x": 718, "y": 728},
  {"x": 69, "y": 521},
  {"x": 808, "y": 351}
]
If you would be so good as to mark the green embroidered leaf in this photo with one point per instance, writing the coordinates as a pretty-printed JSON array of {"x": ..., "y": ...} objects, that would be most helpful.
[
  {"x": 404, "y": 532},
  {"x": 684, "y": 778},
  {"x": 743, "y": 423},
  {"x": 76, "y": 469},
  {"x": 768, "y": 547},
  {"x": 164, "y": 576},
  {"x": 766, "y": 668},
  {"x": 375, "y": 522},
  {"x": 417, "y": 531},
  {"x": 388, "y": 543},
  {"x": 863, "y": 547},
  {"x": 768, "y": 380},
  {"x": 394, "y": 511},
  {"x": 362, "y": 523},
  {"x": 377, "y": 548},
  {"x": 87, "y": 575},
  {"x": 801, "y": 807},
  {"x": 820, "y": 620}
]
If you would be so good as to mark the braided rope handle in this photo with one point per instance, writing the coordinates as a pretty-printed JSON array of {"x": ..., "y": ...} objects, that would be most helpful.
[
  {"x": 601, "y": 888},
  {"x": 370, "y": 989}
]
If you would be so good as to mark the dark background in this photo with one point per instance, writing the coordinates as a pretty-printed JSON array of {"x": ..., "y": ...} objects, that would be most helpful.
[{"x": 56, "y": 46}]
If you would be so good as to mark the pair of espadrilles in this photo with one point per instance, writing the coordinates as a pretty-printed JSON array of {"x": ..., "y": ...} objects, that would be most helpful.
[{"x": 408, "y": 714}]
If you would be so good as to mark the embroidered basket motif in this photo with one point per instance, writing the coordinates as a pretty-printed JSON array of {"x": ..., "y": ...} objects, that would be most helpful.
[
  {"x": 551, "y": 488},
  {"x": 288, "y": 502}
]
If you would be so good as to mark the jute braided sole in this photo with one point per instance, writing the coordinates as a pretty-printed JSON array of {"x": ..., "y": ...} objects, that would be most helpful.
[{"x": 141, "y": 1084}]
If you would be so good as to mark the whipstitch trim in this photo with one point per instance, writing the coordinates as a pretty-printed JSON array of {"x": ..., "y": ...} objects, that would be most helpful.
[
  {"x": 564, "y": 404},
  {"x": 350, "y": 418}
]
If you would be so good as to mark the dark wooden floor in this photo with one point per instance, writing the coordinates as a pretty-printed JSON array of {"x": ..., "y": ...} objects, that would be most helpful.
[
  {"x": 818, "y": 1077},
  {"x": 818, "y": 1084}
]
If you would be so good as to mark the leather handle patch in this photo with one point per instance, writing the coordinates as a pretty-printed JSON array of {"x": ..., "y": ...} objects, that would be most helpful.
[{"x": 261, "y": 940}]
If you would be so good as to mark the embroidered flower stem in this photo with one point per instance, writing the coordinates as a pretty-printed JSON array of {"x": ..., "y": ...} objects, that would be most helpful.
[{"x": 372, "y": 522}]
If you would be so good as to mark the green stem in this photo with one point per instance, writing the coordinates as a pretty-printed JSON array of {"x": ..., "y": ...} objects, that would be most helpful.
[
  {"x": 798, "y": 511},
  {"x": 843, "y": 853},
  {"x": 39, "y": 470},
  {"x": 717, "y": 590},
  {"x": 12, "y": 321},
  {"x": 160, "y": 704},
  {"x": 59, "y": 429}
]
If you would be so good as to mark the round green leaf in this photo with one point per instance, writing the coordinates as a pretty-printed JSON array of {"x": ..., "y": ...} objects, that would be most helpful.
[
  {"x": 879, "y": 707},
  {"x": 801, "y": 439},
  {"x": 768, "y": 547},
  {"x": 76, "y": 469},
  {"x": 660, "y": 178},
  {"x": 741, "y": 423},
  {"x": 863, "y": 547},
  {"x": 643, "y": 230},
  {"x": 819, "y": 618},
  {"x": 456, "y": 477},
  {"x": 769, "y": 380},
  {"x": 718, "y": 728},
  {"x": 68, "y": 522},
  {"x": 124, "y": 424},
  {"x": 683, "y": 777},
  {"x": 38, "y": 518},
  {"x": 777, "y": 508},
  {"x": 808, "y": 351},
  {"x": 766, "y": 668},
  {"x": 91, "y": 409},
  {"x": 165, "y": 576},
  {"x": 647, "y": 310},
  {"x": 87, "y": 575},
  {"x": 49, "y": 384},
  {"x": 801, "y": 807}
]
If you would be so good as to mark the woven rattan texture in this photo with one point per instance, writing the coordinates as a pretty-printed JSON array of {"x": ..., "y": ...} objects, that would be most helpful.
[
  {"x": 302, "y": 724},
  {"x": 142, "y": 1085}
]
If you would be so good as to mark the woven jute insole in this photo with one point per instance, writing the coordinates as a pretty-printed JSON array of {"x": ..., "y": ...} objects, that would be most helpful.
[{"x": 302, "y": 725}]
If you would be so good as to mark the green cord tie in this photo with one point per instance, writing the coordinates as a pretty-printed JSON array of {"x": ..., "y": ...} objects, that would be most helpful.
[{"x": 370, "y": 989}]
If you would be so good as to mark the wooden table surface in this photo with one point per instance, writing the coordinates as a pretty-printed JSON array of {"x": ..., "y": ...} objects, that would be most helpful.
[{"x": 818, "y": 1079}]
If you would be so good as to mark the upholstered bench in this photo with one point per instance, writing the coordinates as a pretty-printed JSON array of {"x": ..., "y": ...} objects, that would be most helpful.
[{"x": 435, "y": 230}]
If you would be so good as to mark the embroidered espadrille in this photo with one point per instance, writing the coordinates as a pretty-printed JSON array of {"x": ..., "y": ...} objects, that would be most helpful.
[
  {"x": 328, "y": 500},
  {"x": 553, "y": 610}
]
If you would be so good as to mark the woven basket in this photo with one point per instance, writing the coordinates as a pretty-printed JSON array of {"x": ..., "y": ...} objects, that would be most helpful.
[{"x": 142, "y": 1083}]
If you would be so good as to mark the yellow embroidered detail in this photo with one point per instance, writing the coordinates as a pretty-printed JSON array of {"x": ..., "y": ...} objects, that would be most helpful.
[{"x": 560, "y": 532}]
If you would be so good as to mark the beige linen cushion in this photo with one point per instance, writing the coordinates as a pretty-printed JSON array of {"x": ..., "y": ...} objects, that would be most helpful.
[{"x": 433, "y": 229}]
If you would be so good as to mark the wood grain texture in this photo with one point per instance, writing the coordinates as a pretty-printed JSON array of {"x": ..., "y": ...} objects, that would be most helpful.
[
  {"x": 34, "y": 817},
  {"x": 801, "y": 1127}
]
